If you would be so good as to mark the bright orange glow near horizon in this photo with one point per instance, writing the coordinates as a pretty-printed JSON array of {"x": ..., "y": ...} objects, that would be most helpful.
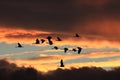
[{"x": 48, "y": 64}]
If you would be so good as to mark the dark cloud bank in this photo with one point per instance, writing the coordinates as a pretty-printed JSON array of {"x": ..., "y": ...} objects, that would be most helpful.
[
  {"x": 63, "y": 16},
  {"x": 10, "y": 71}
]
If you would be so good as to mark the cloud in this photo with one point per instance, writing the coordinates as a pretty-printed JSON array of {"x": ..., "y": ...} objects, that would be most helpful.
[
  {"x": 10, "y": 71},
  {"x": 29, "y": 37},
  {"x": 63, "y": 16},
  {"x": 38, "y": 14},
  {"x": 95, "y": 59}
]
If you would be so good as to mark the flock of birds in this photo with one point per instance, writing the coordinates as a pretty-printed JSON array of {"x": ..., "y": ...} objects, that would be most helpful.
[{"x": 50, "y": 42}]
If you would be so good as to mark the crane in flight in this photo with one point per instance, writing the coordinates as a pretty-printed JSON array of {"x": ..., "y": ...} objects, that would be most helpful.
[
  {"x": 50, "y": 42},
  {"x": 49, "y": 38},
  {"x": 42, "y": 40},
  {"x": 74, "y": 50},
  {"x": 37, "y": 41},
  {"x": 59, "y": 39},
  {"x": 19, "y": 45},
  {"x": 65, "y": 50},
  {"x": 77, "y": 35},
  {"x": 61, "y": 63},
  {"x": 55, "y": 47},
  {"x": 79, "y": 49}
]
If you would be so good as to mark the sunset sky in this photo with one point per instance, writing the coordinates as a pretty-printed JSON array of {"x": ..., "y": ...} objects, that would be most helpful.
[{"x": 96, "y": 21}]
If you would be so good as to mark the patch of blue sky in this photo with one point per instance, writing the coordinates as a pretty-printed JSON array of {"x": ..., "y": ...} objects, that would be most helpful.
[
  {"x": 81, "y": 60},
  {"x": 24, "y": 56},
  {"x": 11, "y": 48},
  {"x": 54, "y": 52},
  {"x": 47, "y": 49},
  {"x": 105, "y": 49}
]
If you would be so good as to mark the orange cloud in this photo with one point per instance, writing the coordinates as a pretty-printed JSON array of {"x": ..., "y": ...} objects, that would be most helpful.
[
  {"x": 85, "y": 41},
  {"x": 110, "y": 63},
  {"x": 99, "y": 28},
  {"x": 45, "y": 63},
  {"x": 19, "y": 35}
]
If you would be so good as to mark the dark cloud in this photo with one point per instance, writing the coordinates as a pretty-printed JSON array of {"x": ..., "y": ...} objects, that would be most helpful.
[
  {"x": 9, "y": 71},
  {"x": 22, "y": 35},
  {"x": 62, "y": 15},
  {"x": 31, "y": 36},
  {"x": 43, "y": 15},
  {"x": 6, "y": 69}
]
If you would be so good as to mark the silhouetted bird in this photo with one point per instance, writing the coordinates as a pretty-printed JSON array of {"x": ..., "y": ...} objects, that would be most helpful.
[
  {"x": 65, "y": 50},
  {"x": 19, "y": 45},
  {"x": 79, "y": 49},
  {"x": 50, "y": 42},
  {"x": 49, "y": 37},
  {"x": 42, "y": 40},
  {"x": 37, "y": 41},
  {"x": 59, "y": 39},
  {"x": 61, "y": 63},
  {"x": 55, "y": 47},
  {"x": 74, "y": 50},
  {"x": 76, "y": 35}
]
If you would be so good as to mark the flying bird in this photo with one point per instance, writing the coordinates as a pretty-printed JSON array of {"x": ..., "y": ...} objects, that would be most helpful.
[
  {"x": 55, "y": 47},
  {"x": 74, "y": 50},
  {"x": 50, "y": 42},
  {"x": 77, "y": 35},
  {"x": 19, "y": 45},
  {"x": 59, "y": 39},
  {"x": 61, "y": 63},
  {"x": 49, "y": 38},
  {"x": 37, "y": 41},
  {"x": 65, "y": 50},
  {"x": 79, "y": 49},
  {"x": 42, "y": 40}
]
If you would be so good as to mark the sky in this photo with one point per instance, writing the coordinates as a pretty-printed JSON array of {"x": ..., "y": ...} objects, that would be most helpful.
[{"x": 96, "y": 21}]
